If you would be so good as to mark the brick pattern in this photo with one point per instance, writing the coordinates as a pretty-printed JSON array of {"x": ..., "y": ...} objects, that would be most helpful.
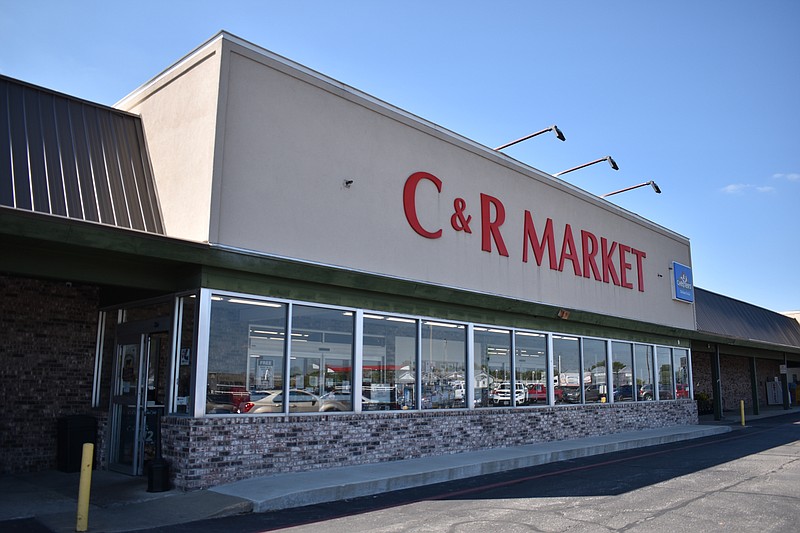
[
  {"x": 736, "y": 382},
  {"x": 701, "y": 373},
  {"x": 49, "y": 331},
  {"x": 736, "y": 379},
  {"x": 210, "y": 451}
]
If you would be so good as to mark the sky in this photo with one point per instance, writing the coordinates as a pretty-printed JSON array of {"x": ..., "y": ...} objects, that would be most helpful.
[{"x": 701, "y": 97}]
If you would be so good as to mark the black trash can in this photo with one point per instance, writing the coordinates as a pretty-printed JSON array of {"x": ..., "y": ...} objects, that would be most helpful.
[
  {"x": 158, "y": 475},
  {"x": 73, "y": 432}
]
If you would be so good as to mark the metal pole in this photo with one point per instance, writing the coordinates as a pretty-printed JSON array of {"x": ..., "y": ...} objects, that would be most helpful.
[
  {"x": 82, "y": 519},
  {"x": 741, "y": 410}
]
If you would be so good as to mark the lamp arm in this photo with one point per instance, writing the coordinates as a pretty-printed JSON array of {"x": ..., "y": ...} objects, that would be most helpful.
[{"x": 551, "y": 128}]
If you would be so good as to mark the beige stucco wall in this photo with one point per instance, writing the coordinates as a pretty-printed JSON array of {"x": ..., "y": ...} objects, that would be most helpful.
[
  {"x": 287, "y": 140},
  {"x": 179, "y": 113}
]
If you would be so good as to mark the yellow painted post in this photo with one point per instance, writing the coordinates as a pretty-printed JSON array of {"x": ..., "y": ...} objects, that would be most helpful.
[
  {"x": 741, "y": 409},
  {"x": 82, "y": 522}
]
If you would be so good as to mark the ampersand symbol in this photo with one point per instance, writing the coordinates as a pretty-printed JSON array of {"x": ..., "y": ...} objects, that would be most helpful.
[{"x": 458, "y": 220}]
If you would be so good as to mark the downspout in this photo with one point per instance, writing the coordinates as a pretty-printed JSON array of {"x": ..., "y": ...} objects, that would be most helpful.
[
  {"x": 754, "y": 385},
  {"x": 785, "y": 382},
  {"x": 716, "y": 378}
]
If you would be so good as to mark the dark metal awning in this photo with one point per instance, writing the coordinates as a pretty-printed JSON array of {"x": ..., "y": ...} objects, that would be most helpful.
[
  {"x": 67, "y": 157},
  {"x": 724, "y": 316}
]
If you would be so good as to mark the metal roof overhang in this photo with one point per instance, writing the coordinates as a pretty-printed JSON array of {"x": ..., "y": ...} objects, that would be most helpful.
[
  {"x": 52, "y": 247},
  {"x": 68, "y": 157}
]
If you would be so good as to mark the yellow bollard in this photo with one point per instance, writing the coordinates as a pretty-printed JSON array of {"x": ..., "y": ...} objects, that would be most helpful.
[
  {"x": 82, "y": 522},
  {"x": 741, "y": 409}
]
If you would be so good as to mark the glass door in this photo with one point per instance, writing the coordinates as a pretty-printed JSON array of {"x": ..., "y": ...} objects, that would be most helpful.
[
  {"x": 139, "y": 391},
  {"x": 127, "y": 402}
]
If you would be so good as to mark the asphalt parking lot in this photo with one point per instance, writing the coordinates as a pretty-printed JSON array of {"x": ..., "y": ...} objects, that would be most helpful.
[{"x": 744, "y": 480}]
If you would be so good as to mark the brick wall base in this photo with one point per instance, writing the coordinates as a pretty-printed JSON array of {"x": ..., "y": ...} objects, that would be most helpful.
[
  {"x": 204, "y": 452},
  {"x": 49, "y": 332}
]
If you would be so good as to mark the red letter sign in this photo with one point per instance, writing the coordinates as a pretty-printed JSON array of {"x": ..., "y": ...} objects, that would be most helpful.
[{"x": 410, "y": 203}]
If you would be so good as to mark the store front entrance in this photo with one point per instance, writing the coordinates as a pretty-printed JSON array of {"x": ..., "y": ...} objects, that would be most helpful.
[{"x": 141, "y": 365}]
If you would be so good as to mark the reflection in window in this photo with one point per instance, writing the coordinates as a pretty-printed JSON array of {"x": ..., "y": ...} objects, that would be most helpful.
[
  {"x": 681, "y": 362},
  {"x": 594, "y": 370},
  {"x": 622, "y": 372},
  {"x": 245, "y": 353},
  {"x": 183, "y": 395},
  {"x": 389, "y": 366},
  {"x": 644, "y": 371},
  {"x": 322, "y": 357},
  {"x": 566, "y": 359},
  {"x": 530, "y": 362},
  {"x": 664, "y": 369},
  {"x": 443, "y": 363},
  {"x": 492, "y": 373}
]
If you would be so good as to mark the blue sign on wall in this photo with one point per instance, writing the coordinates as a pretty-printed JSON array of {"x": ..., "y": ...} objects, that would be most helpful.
[{"x": 682, "y": 282}]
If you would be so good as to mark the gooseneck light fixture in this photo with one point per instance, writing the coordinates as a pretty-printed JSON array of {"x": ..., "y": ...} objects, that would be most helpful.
[
  {"x": 606, "y": 158},
  {"x": 552, "y": 128},
  {"x": 651, "y": 183}
]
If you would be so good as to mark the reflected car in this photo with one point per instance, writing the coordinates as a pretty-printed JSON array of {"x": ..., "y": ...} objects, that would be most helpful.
[
  {"x": 537, "y": 392},
  {"x": 501, "y": 395},
  {"x": 623, "y": 393},
  {"x": 682, "y": 390},
  {"x": 220, "y": 404},
  {"x": 591, "y": 394},
  {"x": 336, "y": 401},
  {"x": 646, "y": 392},
  {"x": 300, "y": 401}
]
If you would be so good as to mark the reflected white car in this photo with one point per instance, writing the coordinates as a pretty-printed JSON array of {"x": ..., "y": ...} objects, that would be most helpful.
[
  {"x": 300, "y": 401},
  {"x": 501, "y": 395}
]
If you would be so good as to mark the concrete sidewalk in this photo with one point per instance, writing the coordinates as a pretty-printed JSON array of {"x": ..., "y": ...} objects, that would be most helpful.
[
  {"x": 306, "y": 488},
  {"x": 48, "y": 500}
]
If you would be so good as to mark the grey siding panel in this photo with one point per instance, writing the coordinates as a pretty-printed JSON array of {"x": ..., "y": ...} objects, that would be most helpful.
[
  {"x": 19, "y": 149},
  {"x": 69, "y": 169},
  {"x": 83, "y": 163},
  {"x": 55, "y": 178},
  {"x": 111, "y": 158},
  {"x": 149, "y": 196},
  {"x": 64, "y": 156},
  {"x": 36, "y": 166},
  {"x": 128, "y": 147},
  {"x": 6, "y": 186},
  {"x": 94, "y": 146}
]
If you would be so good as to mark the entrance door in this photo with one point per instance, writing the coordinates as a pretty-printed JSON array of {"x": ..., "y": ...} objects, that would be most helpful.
[{"x": 138, "y": 393}]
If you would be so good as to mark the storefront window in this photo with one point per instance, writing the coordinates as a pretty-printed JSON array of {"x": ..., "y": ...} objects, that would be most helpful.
[
  {"x": 389, "y": 363},
  {"x": 622, "y": 372},
  {"x": 443, "y": 363},
  {"x": 681, "y": 364},
  {"x": 492, "y": 372},
  {"x": 595, "y": 372},
  {"x": 566, "y": 358},
  {"x": 644, "y": 371},
  {"x": 245, "y": 355},
  {"x": 404, "y": 363},
  {"x": 666, "y": 391},
  {"x": 530, "y": 361},
  {"x": 187, "y": 308},
  {"x": 321, "y": 369}
]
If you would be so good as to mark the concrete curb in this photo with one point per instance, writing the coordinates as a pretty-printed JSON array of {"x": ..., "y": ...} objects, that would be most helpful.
[
  {"x": 177, "y": 508},
  {"x": 283, "y": 491}
]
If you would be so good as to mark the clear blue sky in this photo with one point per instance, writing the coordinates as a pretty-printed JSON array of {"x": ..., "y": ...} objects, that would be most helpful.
[{"x": 702, "y": 97}]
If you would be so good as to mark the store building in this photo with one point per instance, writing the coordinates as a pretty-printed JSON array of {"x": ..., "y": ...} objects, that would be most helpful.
[{"x": 241, "y": 230}]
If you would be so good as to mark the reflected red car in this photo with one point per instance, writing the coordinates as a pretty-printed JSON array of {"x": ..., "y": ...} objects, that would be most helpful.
[{"x": 537, "y": 392}]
